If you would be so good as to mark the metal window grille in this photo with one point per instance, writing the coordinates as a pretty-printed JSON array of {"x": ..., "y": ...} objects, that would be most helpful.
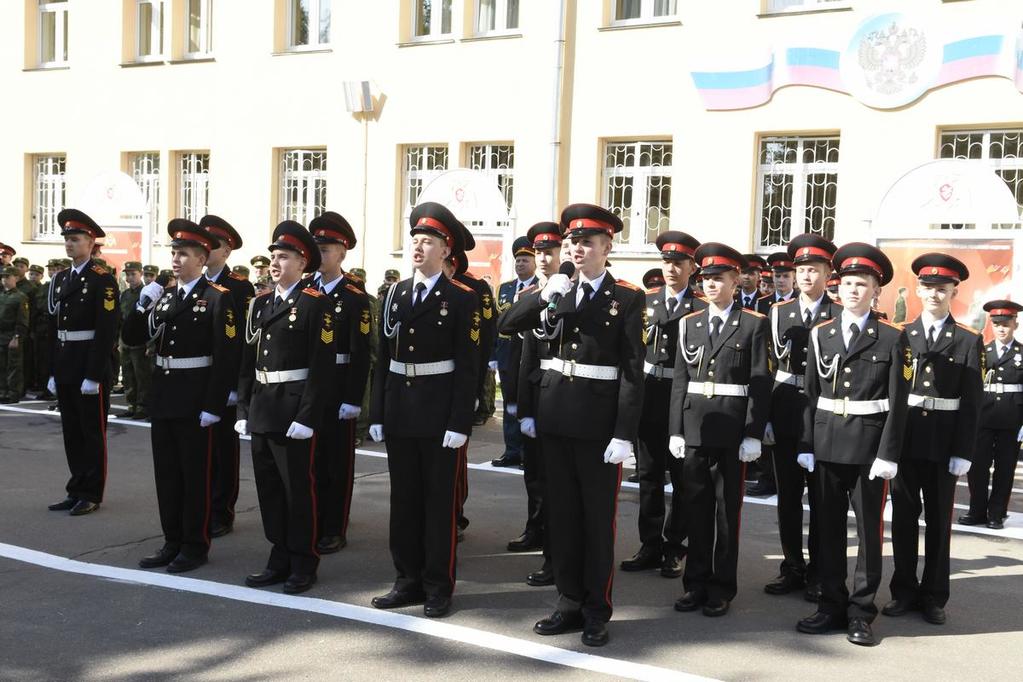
[
  {"x": 145, "y": 171},
  {"x": 49, "y": 193},
  {"x": 53, "y": 32},
  {"x": 303, "y": 189},
  {"x": 637, "y": 188},
  {"x": 431, "y": 18},
  {"x": 193, "y": 185},
  {"x": 309, "y": 22},
  {"x": 798, "y": 5},
  {"x": 421, "y": 165},
  {"x": 632, "y": 10},
  {"x": 199, "y": 27},
  {"x": 797, "y": 188},
  {"x": 1002, "y": 150},
  {"x": 497, "y": 161},
  {"x": 494, "y": 16},
  {"x": 150, "y": 29}
]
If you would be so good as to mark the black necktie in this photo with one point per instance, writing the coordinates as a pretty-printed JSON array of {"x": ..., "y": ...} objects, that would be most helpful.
[
  {"x": 420, "y": 294},
  {"x": 672, "y": 304},
  {"x": 808, "y": 318},
  {"x": 715, "y": 328},
  {"x": 277, "y": 304},
  {"x": 520, "y": 287},
  {"x": 181, "y": 293},
  {"x": 932, "y": 336},
  {"x": 1005, "y": 351},
  {"x": 854, "y": 332},
  {"x": 587, "y": 292}
]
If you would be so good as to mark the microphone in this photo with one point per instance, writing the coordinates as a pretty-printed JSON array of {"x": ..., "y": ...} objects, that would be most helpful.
[{"x": 568, "y": 269}]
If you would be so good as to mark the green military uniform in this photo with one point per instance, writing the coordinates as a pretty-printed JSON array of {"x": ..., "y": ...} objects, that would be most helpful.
[
  {"x": 136, "y": 366},
  {"x": 39, "y": 334},
  {"x": 13, "y": 325},
  {"x": 362, "y": 421},
  {"x": 28, "y": 287}
]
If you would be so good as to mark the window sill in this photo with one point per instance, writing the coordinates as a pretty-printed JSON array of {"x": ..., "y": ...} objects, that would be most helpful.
[
  {"x": 302, "y": 50},
  {"x": 800, "y": 12},
  {"x": 192, "y": 60},
  {"x": 55, "y": 67},
  {"x": 436, "y": 41},
  {"x": 42, "y": 240},
  {"x": 490, "y": 36},
  {"x": 639, "y": 24},
  {"x": 634, "y": 253},
  {"x": 132, "y": 65}
]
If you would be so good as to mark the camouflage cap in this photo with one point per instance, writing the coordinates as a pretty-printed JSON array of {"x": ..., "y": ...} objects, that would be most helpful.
[
  {"x": 150, "y": 269},
  {"x": 358, "y": 272},
  {"x": 65, "y": 262},
  {"x": 169, "y": 273},
  {"x": 132, "y": 265},
  {"x": 240, "y": 270},
  {"x": 260, "y": 262},
  {"x": 20, "y": 260},
  {"x": 9, "y": 271},
  {"x": 53, "y": 263},
  {"x": 392, "y": 274},
  {"x": 263, "y": 281},
  {"x": 36, "y": 268}
]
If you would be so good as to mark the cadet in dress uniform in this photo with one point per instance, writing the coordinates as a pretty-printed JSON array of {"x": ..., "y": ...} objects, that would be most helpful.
[
  {"x": 14, "y": 321},
  {"x": 226, "y": 448},
  {"x": 423, "y": 395},
  {"x": 748, "y": 291},
  {"x": 653, "y": 278},
  {"x": 6, "y": 254},
  {"x": 662, "y": 537},
  {"x": 136, "y": 367},
  {"x": 791, "y": 322},
  {"x": 197, "y": 337},
  {"x": 342, "y": 401},
  {"x": 1001, "y": 420},
  {"x": 719, "y": 402},
  {"x": 941, "y": 433},
  {"x": 286, "y": 367},
  {"x": 83, "y": 301},
  {"x": 857, "y": 377},
  {"x": 591, "y": 399}
]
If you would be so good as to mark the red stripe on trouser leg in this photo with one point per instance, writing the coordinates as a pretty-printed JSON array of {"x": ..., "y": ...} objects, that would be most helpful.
[
  {"x": 455, "y": 494},
  {"x": 614, "y": 533},
  {"x": 209, "y": 485},
  {"x": 312, "y": 491},
  {"x": 350, "y": 445}
]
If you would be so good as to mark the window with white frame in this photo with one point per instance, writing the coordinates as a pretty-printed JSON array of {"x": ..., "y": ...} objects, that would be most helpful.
[
  {"x": 628, "y": 11},
  {"x": 149, "y": 29},
  {"x": 431, "y": 18},
  {"x": 637, "y": 188},
  {"x": 772, "y": 6},
  {"x": 797, "y": 189},
  {"x": 496, "y": 16},
  {"x": 303, "y": 184},
  {"x": 420, "y": 165},
  {"x": 193, "y": 185},
  {"x": 145, "y": 171},
  {"x": 49, "y": 192},
  {"x": 308, "y": 23},
  {"x": 497, "y": 161},
  {"x": 1002, "y": 150},
  {"x": 53, "y": 16},
  {"x": 198, "y": 27}
]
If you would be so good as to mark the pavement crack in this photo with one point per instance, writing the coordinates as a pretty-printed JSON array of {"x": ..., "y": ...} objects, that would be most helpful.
[{"x": 130, "y": 543}]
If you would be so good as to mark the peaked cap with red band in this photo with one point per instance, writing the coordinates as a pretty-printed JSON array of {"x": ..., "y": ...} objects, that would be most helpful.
[
  {"x": 714, "y": 258},
  {"x": 222, "y": 230},
  {"x": 859, "y": 258},
  {"x": 810, "y": 248},
  {"x": 939, "y": 268},
  {"x": 6, "y": 250},
  {"x": 780, "y": 262},
  {"x": 73, "y": 221},
  {"x": 291, "y": 236},
  {"x": 545, "y": 235},
  {"x": 435, "y": 219},
  {"x": 653, "y": 278},
  {"x": 755, "y": 262},
  {"x": 332, "y": 228},
  {"x": 186, "y": 233},
  {"x": 580, "y": 220},
  {"x": 675, "y": 245},
  {"x": 1002, "y": 310}
]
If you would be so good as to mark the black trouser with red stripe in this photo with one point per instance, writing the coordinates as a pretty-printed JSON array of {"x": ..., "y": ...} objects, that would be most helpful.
[
  {"x": 713, "y": 480},
  {"x": 582, "y": 509},
  {"x": 791, "y": 479},
  {"x": 335, "y": 473},
  {"x": 226, "y": 453},
  {"x": 463, "y": 484},
  {"x": 285, "y": 475},
  {"x": 938, "y": 486},
  {"x": 182, "y": 462},
  {"x": 83, "y": 419},
  {"x": 1000, "y": 447},
  {"x": 425, "y": 490},
  {"x": 838, "y": 485},
  {"x": 535, "y": 477},
  {"x": 653, "y": 459}
]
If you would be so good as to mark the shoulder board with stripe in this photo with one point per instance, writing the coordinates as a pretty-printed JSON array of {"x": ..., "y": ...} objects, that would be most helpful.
[
  {"x": 890, "y": 324},
  {"x": 761, "y": 298},
  {"x": 463, "y": 287},
  {"x": 235, "y": 275},
  {"x": 824, "y": 322},
  {"x": 265, "y": 293},
  {"x": 655, "y": 290},
  {"x": 754, "y": 313},
  {"x": 693, "y": 314},
  {"x": 967, "y": 329},
  {"x": 354, "y": 289},
  {"x": 469, "y": 275},
  {"x": 98, "y": 270},
  {"x": 698, "y": 293},
  {"x": 787, "y": 301},
  {"x": 627, "y": 285},
  {"x": 312, "y": 292},
  {"x": 223, "y": 290}
]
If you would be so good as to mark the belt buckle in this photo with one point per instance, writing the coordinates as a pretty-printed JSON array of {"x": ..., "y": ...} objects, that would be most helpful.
[
  {"x": 999, "y": 388},
  {"x": 410, "y": 370},
  {"x": 261, "y": 376},
  {"x": 928, "y": 404},
  {"x": 708, "y": 389},
  {"x": 568, "y": 368},
  {"x": 841, "y": 407}
]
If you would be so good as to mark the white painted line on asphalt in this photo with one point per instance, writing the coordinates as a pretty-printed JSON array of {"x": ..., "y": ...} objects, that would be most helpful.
[{"x": 362, "y": 614}]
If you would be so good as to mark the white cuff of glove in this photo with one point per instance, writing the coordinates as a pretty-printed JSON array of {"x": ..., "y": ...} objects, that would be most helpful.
[
  {"x": 89, "y": 387},
  {"x": 749, "y": 450},
  {"x": 556, "y": 284},
  {"x": 1019, "y": 436},
  {"x": 805, "y": 460},
  {"x": 51, "y": 386},
  {"x": 299, "y": 431},
  {"x": 492, "y": 365},
  {"x": 957, "y": 466},
  {"x": 512, "y": 409},
  {"x": 150, "y": 293},
  {"x": 882, "y": 468},
  {"x": 241, "y": 427},
  {"x": 677, "y": 447},
  {"x": 232, "y": 398},
  {"x": 207, "y": 419},
  {"x": 454, "y": 440},
  {"x": 527, "y": 426},
  {"x": 617, "y": 451},
  {"x": 769, "y": 434},
  {"x": 376, "y": 432},
  {"x": 348, "y": 411}
]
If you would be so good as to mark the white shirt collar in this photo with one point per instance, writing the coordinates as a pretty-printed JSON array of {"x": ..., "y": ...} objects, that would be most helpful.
[
  {"x": 928, "y": 321},
  {"x": 594, "y": 284},
  {"x": 329, "y": 286},
  {"x": 1000, "y": 347},
  {"x": 285, "y": 294},
  {"x": 723, "y": 314},
  {"x": 78, "y": 268},
  {"x": 188, "y": 286},
  {"x": 430, "y": 282},
  {"x": 813, "y": 307},
  {"x": 678, "y": 297},
  {"x": 847, "y": 319},
  {"x": 779, "y": 298},
  {"x": 523, "y": 283}
]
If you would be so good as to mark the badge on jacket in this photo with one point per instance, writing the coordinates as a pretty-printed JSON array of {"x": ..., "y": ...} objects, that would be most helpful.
[
  {"x": 108, "y": 299},
  {"x": 327, "y": 333}
]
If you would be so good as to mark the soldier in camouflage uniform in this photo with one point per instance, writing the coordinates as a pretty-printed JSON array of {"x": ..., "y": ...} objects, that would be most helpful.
[
  {"x": 28, "y": 288},
  {"x": 13, "y": 332},
  {"x": 136, "y": 367}
]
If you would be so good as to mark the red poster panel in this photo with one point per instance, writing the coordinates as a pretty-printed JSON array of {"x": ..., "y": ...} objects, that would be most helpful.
[
  {"x": 990, "y": 264},
  {"x": 121, "y": 245},
  {"x": 485, "y": 260}
]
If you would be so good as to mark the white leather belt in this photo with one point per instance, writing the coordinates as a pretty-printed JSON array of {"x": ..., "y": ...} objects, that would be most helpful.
[
  {"x": 658, "y": 371},
  {"x": 282, "y": 376},
  {"x": 1003, "y": 388},
  {"x": 342, "y": 358},
  {"x": 197, "y": 362},
  {"x": 783, "y": 377},
  {"x": 422, "y": 369},
  {"x": 546, "y": 364},
  {"x": 939, "y": 404},
  {"x": 709, "y": 389},
  {"x": 571, "y": 368},
  {"x": 843, "y": 407},
  {"x": 82, "y": 335}
]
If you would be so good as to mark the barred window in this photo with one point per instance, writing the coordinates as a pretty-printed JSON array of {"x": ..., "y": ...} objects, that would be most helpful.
[
  {"x": 145, "y": 171},
  {"x": 497, "y": 161},
  {"x": 49, "y": 192},
  {"x": 797, "y": 189},
  {"x": 149, "y": 26},
  {"x": 495, "y": 16},
  {"x": 308, "y": 22},
  {"x": 198, "y": 27},
  {"x": 643, "y": 10},
  {"x": 303, "y": 188},
  {"x": 1001, "y": 149},
  {"x": 193, "y": 185},
  {"x": 421, "y": 164},
  {"x": 637, "y": 188},
  {"x": 773, "y": 6},
  {"x": 431, "y": 18},
  {"x": 53, "y": 16}
]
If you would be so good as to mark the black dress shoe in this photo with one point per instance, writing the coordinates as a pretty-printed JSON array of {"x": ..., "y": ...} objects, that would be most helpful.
[
  {"x": 140, "y": 415},
  {"x": 813, "y": 592},
  {"x": 785, "y": 583},
  {"x": 558, "y": 623},
  {"x": 691, "y": 601},
  {"x": 329, "y": 544},
  {"x": 219, "y": 529},
  {"x": 821, "y": 623},
  {"x": 297, "y": 583},
  {"x": 527, "y": 542},
  {"x": 860, "y": 632},
  {"x": 265, "y": 578},
  {"x": 671, "y": 567},
  {"x": 541, "y": 578},
  {"x": 994, "y": 524},
  {"x": 437, "y": 606},
  {"x": 594, "y": 632},
  {"x": 64, "y": 505},
  {"x": 83, "y": 507},
  {"x": 128, "y": 414},
  {"x": 184, "y": 564},
  {"x": 899, "y": 607},
  {"x": 506, "y": 460},
  {"x": 761, "y": 489},
  {"x": 970, "y": 520},
  {"x": 716, "y": 607},
  {"x": 395, "y": 599},
  {"x": 463, "y": 523},
  {"x": 161, "y": 557},
  {"x": 633, "y": 478},
  {"x": 932, "y": 613},
  {"x": 646, "y": 558}
]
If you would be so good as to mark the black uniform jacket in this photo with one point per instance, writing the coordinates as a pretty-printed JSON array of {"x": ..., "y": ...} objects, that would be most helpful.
[
  {"x": 508, "y": 347},
  {"x": 349, "y": 305},
  {"x": 877, "y": 366},
  {"x": 298, "y": 335},
  {"x": 488, "y": 324},
  {"x": 445, "y": 326},
  {"x": 950, "y": 369},
  {"x": 739, "y": 356},
  {"x": 608, "y": 331},
  {"x": 661, "y": 338},
  {"x": 203, "y": 325},
  {"x": 764, "y": 303},
  {"x": 84, "y": 303},
  {"x": 241, "y": 291},
  {"x": 1002, "y": 410}
]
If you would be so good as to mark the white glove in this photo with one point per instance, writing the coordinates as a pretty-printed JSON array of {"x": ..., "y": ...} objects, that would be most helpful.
[
  {"x": 453, "y": 440},
  {"x": 151, "y": 292},
  {"x": 348, "y": 411},
  {"x": 51, "y": 386},
  {"x": 241, "y": 427},
  {"x": 957, "y": 466},
  {"x": 805, "y": 460},
  {"x": 677, "y": 447},
  {"x": 769, "y": 434},
  {"x": 298, "y": 432},
  {"x": 512, "y": 409},
  {"x": 617, "y": 451},
  {"x": 557, "y": 284},
  {"x": 89, "y": 387},
  {"x": 376, "y": 432},
  {"x": 207, "y": 419},
  {"x": 528, "y": 427},
  {"x": 232, "y": 398},
  {"x": 749, "y": 450},
  {"x": 884, "y": 469},
  {"x": 492, "y": 365},
  {"x": 1019, "y": 436}
]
